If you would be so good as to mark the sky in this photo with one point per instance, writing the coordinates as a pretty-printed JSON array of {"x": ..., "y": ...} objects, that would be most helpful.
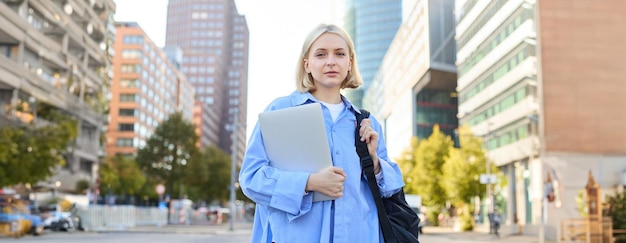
[{"x": 277, "y": 31}]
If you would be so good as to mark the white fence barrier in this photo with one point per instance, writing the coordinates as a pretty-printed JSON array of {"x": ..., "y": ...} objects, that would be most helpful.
[{"x": 120, "y": 217}]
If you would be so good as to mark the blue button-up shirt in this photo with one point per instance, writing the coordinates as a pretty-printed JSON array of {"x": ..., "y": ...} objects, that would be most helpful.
[{"x": 284, "y": 213}]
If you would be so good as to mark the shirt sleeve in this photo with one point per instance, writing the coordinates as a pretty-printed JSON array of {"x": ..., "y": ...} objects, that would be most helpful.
[
  {"x": 390, "y": 179},
  {"x": 269, "y": 186}
]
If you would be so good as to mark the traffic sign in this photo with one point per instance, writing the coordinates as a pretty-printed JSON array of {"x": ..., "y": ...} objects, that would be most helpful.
[
  {"x": 160, "y": 189},
  {"x": 488, "y": 179}
]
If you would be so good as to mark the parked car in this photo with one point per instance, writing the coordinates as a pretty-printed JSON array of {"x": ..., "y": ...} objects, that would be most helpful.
[
  {"x": 415, "y": 202},
  {"x": 422, "y": 217},
  {"x": 63, "y": 221},
  {"x": 16, "y": 218},
  {"x": 36, "y": 224}
]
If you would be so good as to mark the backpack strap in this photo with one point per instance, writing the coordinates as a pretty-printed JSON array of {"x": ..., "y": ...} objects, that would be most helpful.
[{"x": 367, "y": 167}]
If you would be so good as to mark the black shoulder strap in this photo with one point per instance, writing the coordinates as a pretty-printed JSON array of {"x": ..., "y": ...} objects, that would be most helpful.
[{"x": 367, "y": 166}]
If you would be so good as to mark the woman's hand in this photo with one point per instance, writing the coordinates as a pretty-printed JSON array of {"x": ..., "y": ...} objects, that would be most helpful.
[
  {"x": 328, "y": 181},
  {"x": 370, "y": 136}
]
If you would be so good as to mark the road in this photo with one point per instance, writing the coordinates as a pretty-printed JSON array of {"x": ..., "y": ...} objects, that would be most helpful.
[
  {"x": 216, "y": 234},
  {"x": 92, "y": 237},
  {"x": 57, "y": 237}
]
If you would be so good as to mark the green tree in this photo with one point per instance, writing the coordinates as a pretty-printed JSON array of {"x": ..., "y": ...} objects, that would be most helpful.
[
  {"x": 209, "y": 175},
  {"x": 406, "y": 162},
  {"x": 168, "y": 151},
  {"x": 462, "y": 172},
  {"x": 617, "y": 212},
  {"x": 121, "y": 175},
  {"x": 30, "y": 152},
  {"x": 427, "y": 175},
  {"x": 463, "y": 168}
]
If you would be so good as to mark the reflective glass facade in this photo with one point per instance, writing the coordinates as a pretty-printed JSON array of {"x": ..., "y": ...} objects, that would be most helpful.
[
  {"x": 373, "y": 25},
  {"x": 435, "y": 107}
]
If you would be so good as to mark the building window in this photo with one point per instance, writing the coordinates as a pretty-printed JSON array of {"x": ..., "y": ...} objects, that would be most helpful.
[
  {"x": 127, "y": 112},
  {"x": 133, "y": 39},
  {"x": 130, "y": 68},
  {"x": 126, "y": 127},
  {"x": 85, "y": 166},
  {"x": 131, "y": 54},
  {"x": 124, "y": 142},
  {"x": 128, "y": 97},
  {"x": 504, "y": 104},
  {"x": 129, "y": 83}
]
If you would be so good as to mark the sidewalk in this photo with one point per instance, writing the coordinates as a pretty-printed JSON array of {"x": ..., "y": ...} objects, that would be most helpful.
[
  {"x": 224, "y": 228},
  {"x": 246, "y": 228},
  {"x": 480, "y": 235}
]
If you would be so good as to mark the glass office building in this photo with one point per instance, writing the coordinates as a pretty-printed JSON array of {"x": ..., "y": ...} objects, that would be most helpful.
[
  {"x": 372, "y": 25},
  {"x": 414, "y": 88}
]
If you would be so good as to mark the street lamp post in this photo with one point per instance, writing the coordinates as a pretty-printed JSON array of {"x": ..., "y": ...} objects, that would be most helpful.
[
  {"x": 33, "y": 106},
  {"x": 491, "y": 179},
  {"x": 543, "y": 202},
  {"x": 488, "y": 179},
  {"x": 232, "y": 171},
  {"x": 57, "y": 185}
]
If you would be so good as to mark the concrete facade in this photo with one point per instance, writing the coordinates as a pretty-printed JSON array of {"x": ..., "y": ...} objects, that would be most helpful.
[
  {"x": 540, "y": 81},
  {"x": 57, "y": 53}
]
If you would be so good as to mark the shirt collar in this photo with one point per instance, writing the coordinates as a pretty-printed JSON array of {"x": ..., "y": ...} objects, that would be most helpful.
[{"x": 299, "y": 98}]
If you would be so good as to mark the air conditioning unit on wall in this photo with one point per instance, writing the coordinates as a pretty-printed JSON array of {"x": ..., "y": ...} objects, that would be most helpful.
[{"x": 621, "y": 187}]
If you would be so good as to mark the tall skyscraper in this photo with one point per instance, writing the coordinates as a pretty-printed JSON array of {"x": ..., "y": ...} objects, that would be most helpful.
[
  {"x": 57, "y": 53},
  {"x": 147, "y": 87},
  {"x": 414, "y": 88},
  {"x": 372, "y": 25},
  {"x": 539, "y": 80},
  {"x": 214, "y": 38}
]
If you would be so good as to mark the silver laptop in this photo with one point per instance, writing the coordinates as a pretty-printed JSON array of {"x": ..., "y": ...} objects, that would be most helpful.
[{"x": 295, "y": 140}]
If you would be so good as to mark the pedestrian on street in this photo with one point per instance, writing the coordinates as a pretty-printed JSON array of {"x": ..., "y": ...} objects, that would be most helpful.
[
  {"x": 496, "y": 224},
  {"x": 285, "y": 210}
]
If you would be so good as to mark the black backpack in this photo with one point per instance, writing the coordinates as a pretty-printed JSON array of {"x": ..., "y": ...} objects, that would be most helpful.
[{"x": 399, "y": 223}]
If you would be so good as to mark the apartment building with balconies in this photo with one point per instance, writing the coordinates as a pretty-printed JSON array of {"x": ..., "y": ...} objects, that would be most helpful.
[{"x": 58, "y": 52}]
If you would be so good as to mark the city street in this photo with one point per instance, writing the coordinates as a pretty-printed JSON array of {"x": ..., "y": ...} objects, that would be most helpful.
[
  {"x": 241, "y": 234},
  {"x": 155, "y": 237}
]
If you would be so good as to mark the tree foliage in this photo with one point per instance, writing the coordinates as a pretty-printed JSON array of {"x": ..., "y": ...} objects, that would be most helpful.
[
  {"x": 81, "y": 186},
  {"x": 30, "y": 152},
  {"x": 427, "y": 175},
  {"x": 168, "y": 151},
  {"x": 617, "y": 212},
  {"x": 406, "y": 162},
  {"x": 440, "y": 173},
  {"x": 209, "y": 175},
  {"x": 121, "y": 175},
  {"x": 463, "y": 168}
]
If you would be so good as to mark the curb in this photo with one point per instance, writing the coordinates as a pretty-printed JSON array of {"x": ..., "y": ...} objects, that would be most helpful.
[{"x": 180, "y": 229}]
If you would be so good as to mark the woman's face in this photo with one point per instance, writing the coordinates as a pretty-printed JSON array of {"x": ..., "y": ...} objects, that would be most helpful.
[{"x": 328, "y": 61}]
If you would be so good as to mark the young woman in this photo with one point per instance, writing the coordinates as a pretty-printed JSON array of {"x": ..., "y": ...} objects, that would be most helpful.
[{"x": 285, "y": 211}]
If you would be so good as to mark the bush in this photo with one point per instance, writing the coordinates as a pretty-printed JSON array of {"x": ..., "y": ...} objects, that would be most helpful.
[
  {"x": 81, "y": 186},
  {"x": 467, "y": 220},
  {"x": 617, "y": 211}
]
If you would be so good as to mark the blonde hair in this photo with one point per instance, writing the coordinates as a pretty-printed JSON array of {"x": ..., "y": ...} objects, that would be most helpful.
[{"x": 304, "y": 80}]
